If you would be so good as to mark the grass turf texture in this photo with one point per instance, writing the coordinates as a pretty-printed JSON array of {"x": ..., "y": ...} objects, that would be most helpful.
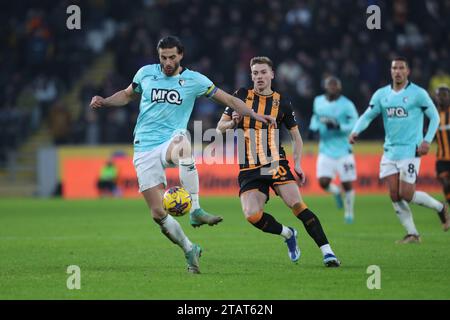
[{"x": 123, "y": 255}]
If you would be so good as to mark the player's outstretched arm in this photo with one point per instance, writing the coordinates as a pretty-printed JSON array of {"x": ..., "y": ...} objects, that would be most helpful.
[
  {"x": 240, "y": 107},
  {"x": 433, "y": 115},
  {"x": 314, "y": 123},
  {"x": 363, "y": 122},
  {"x": 297, "y": 147},
  {"x": 352, "y": 117},
  {"x": 367, "y": 117},
  {"x": 118, "y": 99}
]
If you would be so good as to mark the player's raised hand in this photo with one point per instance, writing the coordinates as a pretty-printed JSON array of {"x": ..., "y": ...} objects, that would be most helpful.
[
  {"x": 423, "y": 148},
  {"x": 97, "y": 102},
  {"x": 352, "y": 138},
  {"x": 301, "y": 175}
]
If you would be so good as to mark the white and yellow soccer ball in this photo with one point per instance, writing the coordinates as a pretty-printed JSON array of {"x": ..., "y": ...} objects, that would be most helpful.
[{"x": 177, "y": 201}]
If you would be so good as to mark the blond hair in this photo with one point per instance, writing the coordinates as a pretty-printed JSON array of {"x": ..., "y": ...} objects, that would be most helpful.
[{"x": 261, "y": 60}]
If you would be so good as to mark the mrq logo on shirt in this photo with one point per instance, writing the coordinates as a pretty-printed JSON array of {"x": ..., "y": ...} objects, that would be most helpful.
[
  {"x": 398, "y": 112},
  {"x": 169, "y": 96}
]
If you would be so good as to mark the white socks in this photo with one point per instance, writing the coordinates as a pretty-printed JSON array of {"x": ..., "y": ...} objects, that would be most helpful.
[
  {"x": 172, "y": 230},
  {"x": 424, "y": 199},
  {"x": 405, "y": 216},
  {"x": 326, "y": 249},
  {"x": 404, "y": 212},
  {"x": 349, "y": 198},
  {"x": 334, "y": 189},
  {"x": 286, "y": 232},
  {"x": 189, "y": 180},
  {"x": 349, "y": 202}
]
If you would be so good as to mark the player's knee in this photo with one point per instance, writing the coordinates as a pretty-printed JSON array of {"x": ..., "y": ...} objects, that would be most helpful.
[
  {"x": 184, "y": 147},
  {"x": 249, "y": 211},
  {"x": 253, "y": 216},
  {"x": 291, "y": 202},
  {"x": 324, "y": 183},
  {"x": 298, "y": 208},
  {"x": 395, "y": 197},
  {"x": 347, "y": 186},
  {"x": 406, "y": 195}
]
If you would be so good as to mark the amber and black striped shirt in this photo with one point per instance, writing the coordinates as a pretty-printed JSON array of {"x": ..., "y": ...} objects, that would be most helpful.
[
  {"x": 443, "y": 135},
  {"x": 262, "y": 143}
]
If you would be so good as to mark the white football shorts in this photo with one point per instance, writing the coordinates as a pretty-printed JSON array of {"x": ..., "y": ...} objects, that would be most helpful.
[
  {"x": 328, "y": 167},
  {"x": 150, "y": 166},
  {"x": 408, "y": 168}
]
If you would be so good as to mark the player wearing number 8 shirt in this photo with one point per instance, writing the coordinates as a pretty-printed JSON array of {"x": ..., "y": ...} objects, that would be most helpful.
[
  {"x": 402, "y": 106},
  {"x": 264, "y": 164}
]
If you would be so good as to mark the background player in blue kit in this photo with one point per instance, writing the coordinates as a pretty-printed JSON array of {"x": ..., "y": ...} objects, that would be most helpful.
[
  {"x": 168, "y": 92},
  {"x": 334, "y": 116},
  {"x": 402, "y": 106}
]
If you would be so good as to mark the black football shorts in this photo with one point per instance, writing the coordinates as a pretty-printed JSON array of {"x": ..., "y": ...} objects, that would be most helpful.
[{"x": 265, "y": 177}]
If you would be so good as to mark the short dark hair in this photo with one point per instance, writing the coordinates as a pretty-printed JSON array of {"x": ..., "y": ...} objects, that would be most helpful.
[
  {"x": 170, "y": 42},
  {"x": 400, "y": 58},
  {"x": 328, "y": 79},
  {"x": 261, "y": 60}
]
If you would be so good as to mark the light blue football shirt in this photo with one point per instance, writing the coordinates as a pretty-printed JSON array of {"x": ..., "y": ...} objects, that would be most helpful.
[
  {"x": 166, "y": 103},
  {"x": 333, "y": 142},
  {"x": 402, "y": 114}
]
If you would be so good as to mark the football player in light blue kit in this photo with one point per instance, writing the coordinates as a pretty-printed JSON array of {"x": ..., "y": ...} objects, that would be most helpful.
[
  {"x": 402, "y": 106},
  {"x": 334, "y": 116},
  {"x": 168, "y": 92}
]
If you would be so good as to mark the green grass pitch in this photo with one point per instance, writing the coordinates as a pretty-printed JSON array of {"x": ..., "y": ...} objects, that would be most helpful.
[{"x": 123, "y": 255}]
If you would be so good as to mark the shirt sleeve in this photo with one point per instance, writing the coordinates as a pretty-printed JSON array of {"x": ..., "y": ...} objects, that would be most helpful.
[
  {"x": 314, "y": 124},
  {"x": 431, "y": 112},
  {"x": 289, "y": 118},
  {"x": 136, "y": 84},
  {"x": 205, "y": 87},
  {"x": 371, "y": 113},
  {"x": 351, "y": 117}
]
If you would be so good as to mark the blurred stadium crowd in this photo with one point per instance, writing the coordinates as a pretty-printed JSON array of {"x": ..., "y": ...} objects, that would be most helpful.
[{"x": 41, "y": 59}]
